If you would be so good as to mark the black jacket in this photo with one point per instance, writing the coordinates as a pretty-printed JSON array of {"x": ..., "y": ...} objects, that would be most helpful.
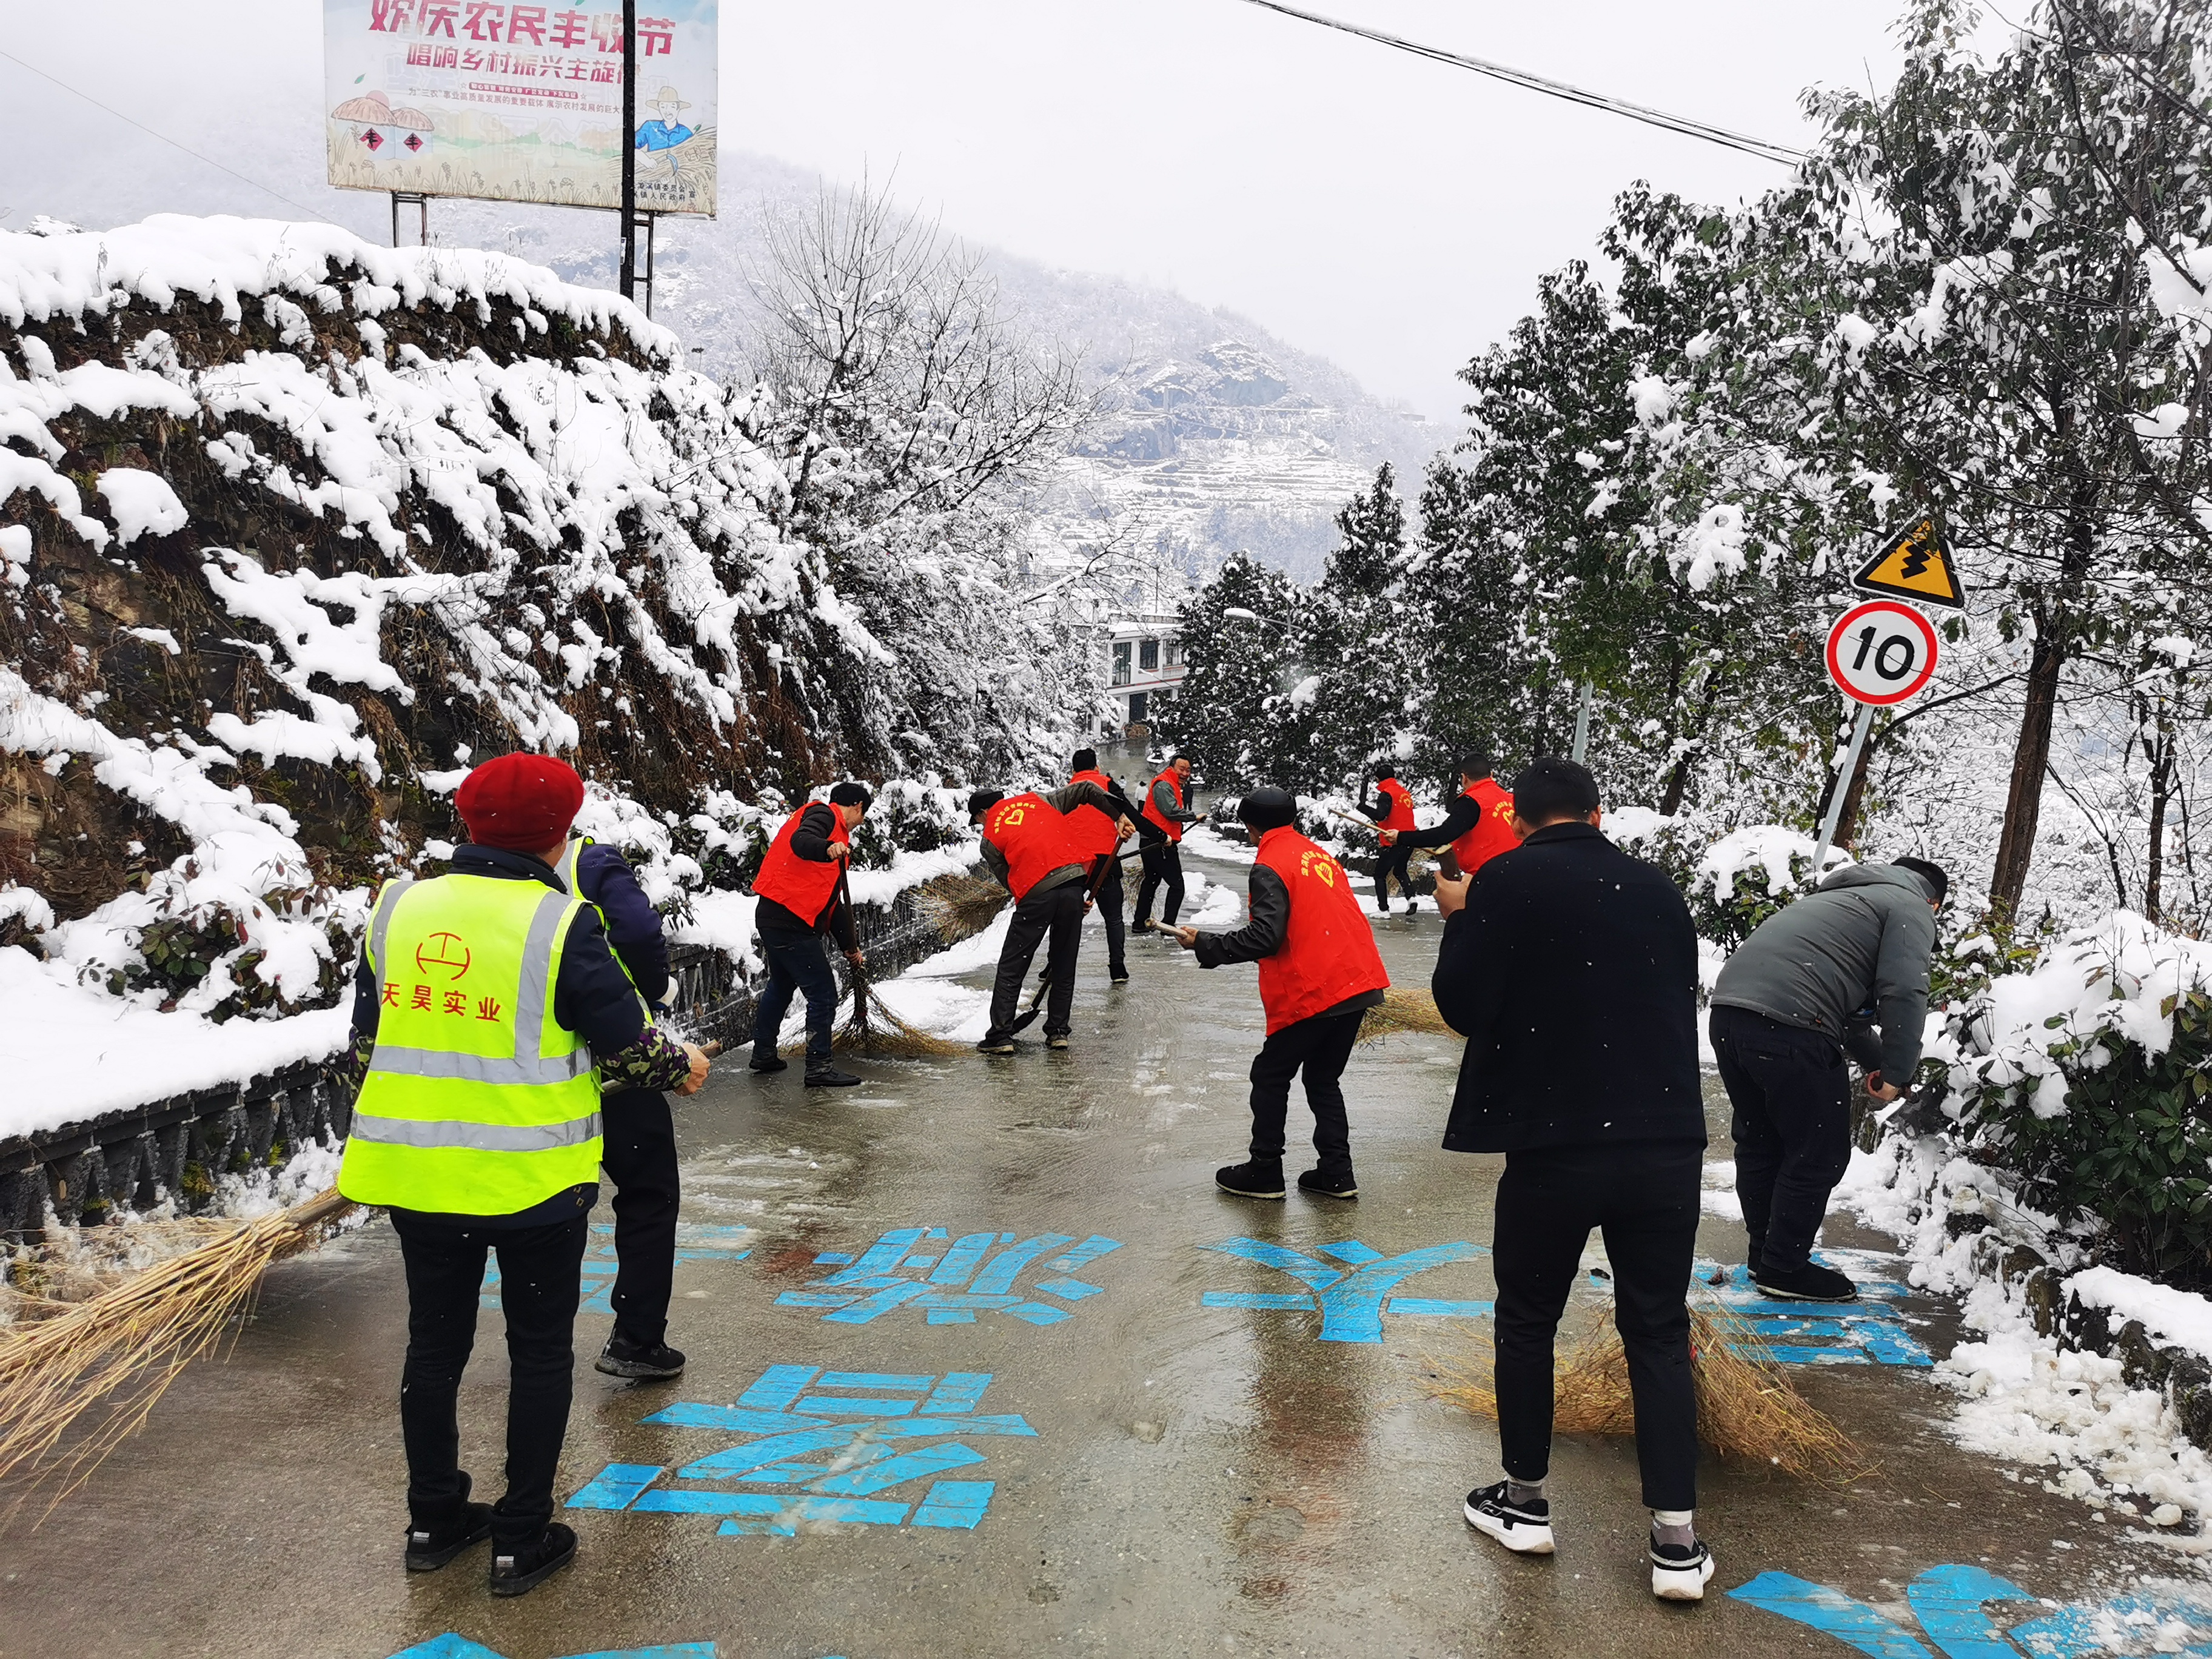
[
  {"x": 1573, "y": 974},
  {"x": 1466, "y": 813},
  {"x": 634, "y": 929},
  {"x": 810, "y": 841}
]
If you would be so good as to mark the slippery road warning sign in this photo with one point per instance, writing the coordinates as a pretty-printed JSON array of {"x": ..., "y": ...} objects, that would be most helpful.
[
  {"x": 1881, "y": 652},
  {"x": 1914, "y": 564}
]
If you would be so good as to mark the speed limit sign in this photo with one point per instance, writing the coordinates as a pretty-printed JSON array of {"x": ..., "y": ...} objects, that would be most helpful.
[{"x": 1881, "y": 653}]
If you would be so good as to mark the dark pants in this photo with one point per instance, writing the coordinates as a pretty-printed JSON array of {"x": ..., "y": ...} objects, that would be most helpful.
[
  {"x": 1394, "y": 862},
  {"x": 1163, "y": 862},
  {"x": 1111, "y": 900},
  {"x": 1792, "y": 1098},
  {"x": 539, "y": 1269},
  {"x": 795, "y": 963},
  {"x": 1057, "y": 911},
  {"x": 1643, "y": 1195},
  {"x": 1320, "y": 1047},
  {"x": 640, "y": 1157}
]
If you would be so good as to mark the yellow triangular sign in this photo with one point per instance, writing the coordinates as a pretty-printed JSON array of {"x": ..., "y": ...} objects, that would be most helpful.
[{"x": 1914, "y": 564}]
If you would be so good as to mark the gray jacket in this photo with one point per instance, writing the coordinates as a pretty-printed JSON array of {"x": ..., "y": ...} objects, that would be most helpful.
[{"x": 1863, "y": 939}]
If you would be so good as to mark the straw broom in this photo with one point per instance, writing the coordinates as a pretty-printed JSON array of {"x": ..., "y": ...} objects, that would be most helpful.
[
  {"x": 871, "y": 1028},
  {"x": 125, "y": 1347},
  {"x": 1747, "y": 1410},
  {"x": 1404, "y": 1011}
]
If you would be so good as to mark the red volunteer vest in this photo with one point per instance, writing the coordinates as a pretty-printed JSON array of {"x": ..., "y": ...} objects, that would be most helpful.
[
  {"x": 800, "y": 885},
  {"x": 1035, "y": 839},
  {"x": 1401, "y": 805},
  {"x": 1328, "y": 953},
  {"x": 1168, "y": 777},
  {"x": 1492, "y": 834},
  {"x": 1091, "y": 828}
]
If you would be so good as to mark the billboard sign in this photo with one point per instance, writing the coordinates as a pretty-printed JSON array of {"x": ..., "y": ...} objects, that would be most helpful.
[{"x": 519, "y": 103}]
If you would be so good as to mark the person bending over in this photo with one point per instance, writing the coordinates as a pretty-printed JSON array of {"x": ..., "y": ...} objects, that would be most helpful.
[
  {"x": 1786, "y": 1007},
  {"x": 803, "y": 895},
  {"x": 1038, "y": 855},
  {"x": 1572, "y": 968},
  {"x": 1319, "y": 974}
]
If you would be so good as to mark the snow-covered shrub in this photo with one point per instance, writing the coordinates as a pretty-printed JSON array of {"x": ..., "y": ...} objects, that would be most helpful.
[
  {"x": 1746, "y": 877},
  {"x": 2085, "y": 1080}
]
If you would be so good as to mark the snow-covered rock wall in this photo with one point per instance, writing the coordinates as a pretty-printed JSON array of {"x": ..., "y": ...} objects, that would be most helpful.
[{"x": 291, "y": 527}]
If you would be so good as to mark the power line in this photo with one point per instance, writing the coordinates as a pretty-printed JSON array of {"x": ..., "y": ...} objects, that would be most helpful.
[
  {"x": 1650, "y": 116},
  {"x": 166, "y": 139}
]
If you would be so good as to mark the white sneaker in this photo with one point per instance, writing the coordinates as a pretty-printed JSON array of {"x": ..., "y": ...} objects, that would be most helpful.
[
  {"x": 1524, "y": 1529},
  {"x": 1679, "y": 1572}
]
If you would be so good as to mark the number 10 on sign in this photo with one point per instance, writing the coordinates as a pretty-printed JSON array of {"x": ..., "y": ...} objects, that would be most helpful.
[{"x": 1879, "y": 653}]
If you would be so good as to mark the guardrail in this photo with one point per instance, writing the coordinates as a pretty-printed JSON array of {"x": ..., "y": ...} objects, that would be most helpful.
[{"x": 175, "y": 1148}]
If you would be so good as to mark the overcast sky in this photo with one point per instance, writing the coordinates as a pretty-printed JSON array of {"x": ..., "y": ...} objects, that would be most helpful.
[{"x": 1389, "y": 213}]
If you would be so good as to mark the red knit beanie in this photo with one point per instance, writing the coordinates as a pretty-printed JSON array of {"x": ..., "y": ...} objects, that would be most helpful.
[{"x": 524, "y": 803}]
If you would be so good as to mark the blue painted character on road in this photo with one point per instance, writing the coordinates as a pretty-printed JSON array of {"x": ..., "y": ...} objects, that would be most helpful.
[
  {"x": 870, "y": 1431},
  {"x": 951, "y": 1280},
  {"x": 453, "y": 1645},
  {"x": 1868, "y": 1332},
  {"x": 1350, "y": 1288},
  {"x": 1949, "y": 1604}
]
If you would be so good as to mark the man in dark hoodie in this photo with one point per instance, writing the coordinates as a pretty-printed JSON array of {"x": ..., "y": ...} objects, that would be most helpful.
[
  {"x": 1789, "y": 1003},
  {"x": 1572, "y": 968}
]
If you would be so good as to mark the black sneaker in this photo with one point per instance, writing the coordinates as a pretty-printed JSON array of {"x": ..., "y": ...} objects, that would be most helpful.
[
  {"x": 1329, "y": 1185},
  {"x": 1118, "y": 976},
  {"x": 1810, "y": 1283},
  {"x": 829, "y": 1076},
  {"x": 429, "y": 1548},
  {"x": 519, "y": 1572},
  {"x": 1145, "y": 927},
  {"x": 1056, "y": 1040},
  {"x": 1525, "y": 1528},
  {"x": 1679, "y": 1572},
  {"x": 773, "y": 1062},
  {"x": 995, "y": 1046},
  {"x": 653, "y": 1362},
  {"x": 1251, "y": 1179}
]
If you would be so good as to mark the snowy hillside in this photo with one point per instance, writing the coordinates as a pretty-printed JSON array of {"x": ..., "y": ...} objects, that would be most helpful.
[{"x": 291, "y": 527}]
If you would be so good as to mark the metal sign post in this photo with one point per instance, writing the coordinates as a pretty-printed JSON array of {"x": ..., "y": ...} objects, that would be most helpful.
[
  {"x": 1588, "y": 694},
  {"x": 1844, "y": 775},
  {"x": 628, "y": 284}
]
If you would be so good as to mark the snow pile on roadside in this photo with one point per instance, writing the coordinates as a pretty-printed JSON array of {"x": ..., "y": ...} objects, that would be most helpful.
[
  {"x": 2071, "y": 1419},
  {"x": 1768, "y": 855},
  {"x": 2074, "y": 1417}
]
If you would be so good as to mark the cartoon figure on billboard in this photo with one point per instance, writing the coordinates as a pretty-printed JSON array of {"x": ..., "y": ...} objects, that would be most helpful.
[
  {"x": 376, "y": 123},
  {"x": 668, "y": 130}
]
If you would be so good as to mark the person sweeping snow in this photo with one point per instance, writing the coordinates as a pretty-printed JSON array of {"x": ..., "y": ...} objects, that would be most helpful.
[
  {"x": 487, "y": 1010},
  {"x": 1572, "y": 970},
  {"x": 1319, "y": 973}
]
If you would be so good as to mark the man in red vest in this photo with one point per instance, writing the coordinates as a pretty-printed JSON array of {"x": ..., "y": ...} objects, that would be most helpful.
[
  {"x": 1319, "y": 973},
  {"x": 1479, "y": 825},
  {"x": 1167, "y": 815},
  {"x": 800, "y": 888},
  {"x": 1393, "y": 812},
  {"x": 1102, "y": 839},
  {"x": 1031, "y": 847}
]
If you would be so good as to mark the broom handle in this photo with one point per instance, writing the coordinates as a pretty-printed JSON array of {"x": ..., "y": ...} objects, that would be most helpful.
[{"x": 860, "y": 981}]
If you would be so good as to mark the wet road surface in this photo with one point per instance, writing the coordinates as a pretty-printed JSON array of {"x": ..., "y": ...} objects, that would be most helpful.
[{"x": 1142, "y": 1449}]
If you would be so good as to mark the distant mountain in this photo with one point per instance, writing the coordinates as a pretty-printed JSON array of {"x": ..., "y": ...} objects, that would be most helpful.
[{"x": 1217, "y": 436}]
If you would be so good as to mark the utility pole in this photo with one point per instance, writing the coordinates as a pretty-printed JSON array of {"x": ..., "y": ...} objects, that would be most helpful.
[{"x": 627, "y": 284}]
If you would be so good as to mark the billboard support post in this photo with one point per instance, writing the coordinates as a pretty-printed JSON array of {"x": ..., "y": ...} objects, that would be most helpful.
[
  {"x": 628, "y": 285},
  {"x": 421, "y": 206}
]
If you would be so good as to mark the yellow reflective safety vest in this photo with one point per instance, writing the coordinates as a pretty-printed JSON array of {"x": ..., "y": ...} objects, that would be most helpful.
[{"x": 477, "y": 1102}]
